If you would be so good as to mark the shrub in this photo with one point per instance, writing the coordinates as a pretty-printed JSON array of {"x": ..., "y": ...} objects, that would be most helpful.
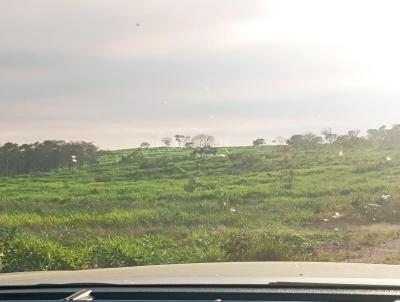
[
  {"x": 109, "y": 253},
  {"x": 24, "y": 254},
  {"x": 246, "y": 246}
]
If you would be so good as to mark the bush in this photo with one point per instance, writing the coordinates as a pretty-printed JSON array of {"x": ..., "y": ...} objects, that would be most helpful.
[
  {"x": 109, "y": 253},
  {"x": 245, "y": 246},
  {"x": 24, "y": 254}
]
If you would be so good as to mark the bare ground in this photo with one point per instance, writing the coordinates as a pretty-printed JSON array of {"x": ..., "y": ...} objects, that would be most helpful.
[
  {"x": 374, "y": 243},
  {"x": 387, "y": 252}
]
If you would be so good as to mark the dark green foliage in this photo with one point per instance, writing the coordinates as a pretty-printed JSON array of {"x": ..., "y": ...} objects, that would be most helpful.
[
  {"x": 352, "y": 140},
  {"x": 384, "y": 137},
  {"x": 259, "y": 142},
  {"x": 205, "y": 151},
  {"x": 45, "y": 156},
  {"x": 304, "y": 141}
]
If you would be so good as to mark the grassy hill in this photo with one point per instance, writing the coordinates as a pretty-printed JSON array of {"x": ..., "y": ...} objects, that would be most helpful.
[{"x": 165, "y": 206}]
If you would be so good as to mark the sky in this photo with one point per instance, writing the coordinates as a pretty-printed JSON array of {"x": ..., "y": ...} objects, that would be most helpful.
[{"x": 121, "y": 72}]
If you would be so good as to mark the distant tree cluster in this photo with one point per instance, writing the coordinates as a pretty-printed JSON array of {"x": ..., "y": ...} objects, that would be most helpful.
[
  {"x": 45, "y": 156},
  {"x": 201, "y": 143},
  {"x": 381, "y": 137},
  {"x": 310, "y": 140},
  {"x": 183, "y": 140},
  {"x": 384, "y": 137},
  {"x": 304, "y": 140}
]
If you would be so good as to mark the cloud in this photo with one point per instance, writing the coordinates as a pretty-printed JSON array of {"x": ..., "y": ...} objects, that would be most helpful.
[{"x": 146, "y": 65}]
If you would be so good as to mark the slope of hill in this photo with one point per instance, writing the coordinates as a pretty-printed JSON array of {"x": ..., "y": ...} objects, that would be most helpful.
[{"x": 166, "y": 206}]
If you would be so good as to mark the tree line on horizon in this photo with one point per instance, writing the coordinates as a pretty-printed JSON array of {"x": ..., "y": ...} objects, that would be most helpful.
[
  {"x": 381, "y": 137},
  {"x": 58, "y": 154},
  {"x": 45, "y": 156}
]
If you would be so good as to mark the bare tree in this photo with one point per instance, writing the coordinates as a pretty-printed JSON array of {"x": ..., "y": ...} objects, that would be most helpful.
[
  {"x": 166, "y": 141},
  {"x": 203, "y": 141},
  {"x": 280, "y": 140}
]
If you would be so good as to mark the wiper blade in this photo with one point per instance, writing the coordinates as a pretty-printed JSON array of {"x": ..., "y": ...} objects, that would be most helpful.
[{"x": 82, "y": 295}]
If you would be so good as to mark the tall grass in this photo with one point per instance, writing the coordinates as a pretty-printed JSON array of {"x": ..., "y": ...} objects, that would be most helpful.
[{"x": 165, "y": 206}]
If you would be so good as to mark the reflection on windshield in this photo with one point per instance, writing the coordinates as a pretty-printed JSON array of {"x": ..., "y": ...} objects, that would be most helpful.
[{"x": 157, "y": 132}]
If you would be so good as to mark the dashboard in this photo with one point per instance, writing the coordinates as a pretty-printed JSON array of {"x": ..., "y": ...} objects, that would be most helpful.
[{"x": 195, "y": 294}]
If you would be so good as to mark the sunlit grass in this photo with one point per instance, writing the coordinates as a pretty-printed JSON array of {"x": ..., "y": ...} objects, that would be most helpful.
[{"x": 183, "y": 208}]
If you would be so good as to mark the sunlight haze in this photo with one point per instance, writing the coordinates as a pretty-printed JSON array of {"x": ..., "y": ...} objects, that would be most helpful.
[{"x": 122, "y": 72}]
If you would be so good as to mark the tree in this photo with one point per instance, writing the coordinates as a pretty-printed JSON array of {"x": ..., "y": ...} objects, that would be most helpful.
[
  {"x": 45, "y": 156},
  {"x": 166, "y": 141},
  {"x": 279, "y": 140},
  {"x": 352, "y": 140},
  {"x": 384, "y": 137},
  {"x": 145, "y": 145},
  {"x": 392, "y": 137},
  {"x": 353, "y": 133},
  {"x": 203, "y": 140},
  {"x": 304, "y": 140},
  {"x": 377, "y": 137},
  {"x": 259, "y": 142},
  {"x": 329, "y": 136},
  {"x": 204, "y": 144},
  {"x": 179, "y": 138}
]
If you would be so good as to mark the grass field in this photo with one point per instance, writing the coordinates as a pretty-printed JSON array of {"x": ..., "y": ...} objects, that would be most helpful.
[{"x": 164, "y": 206}]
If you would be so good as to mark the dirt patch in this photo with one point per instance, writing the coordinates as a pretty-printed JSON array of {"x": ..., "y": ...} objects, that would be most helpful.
[
  {"x": 388, "y": 252},
  {"x": 375, "y": 243}
]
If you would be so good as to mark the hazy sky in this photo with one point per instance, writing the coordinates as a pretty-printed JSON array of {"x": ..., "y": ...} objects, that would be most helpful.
[{"x": 121, "y": 72}]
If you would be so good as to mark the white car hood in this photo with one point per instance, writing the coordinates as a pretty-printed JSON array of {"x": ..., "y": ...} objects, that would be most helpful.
[{"x": 238, "y": 273}]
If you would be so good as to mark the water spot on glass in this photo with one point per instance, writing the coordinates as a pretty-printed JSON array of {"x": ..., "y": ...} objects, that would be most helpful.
[{"x": 337, "y": 215}]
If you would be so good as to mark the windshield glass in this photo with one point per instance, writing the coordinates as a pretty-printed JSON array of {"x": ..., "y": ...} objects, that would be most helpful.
[{"x": 157, "y": 132}]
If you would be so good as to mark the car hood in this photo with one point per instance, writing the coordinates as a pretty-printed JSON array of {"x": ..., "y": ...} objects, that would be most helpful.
[{"x": 239, "y": 273}]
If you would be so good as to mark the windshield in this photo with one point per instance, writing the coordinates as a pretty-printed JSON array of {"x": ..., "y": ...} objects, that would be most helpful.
[{"x": 160, "y": 132}]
